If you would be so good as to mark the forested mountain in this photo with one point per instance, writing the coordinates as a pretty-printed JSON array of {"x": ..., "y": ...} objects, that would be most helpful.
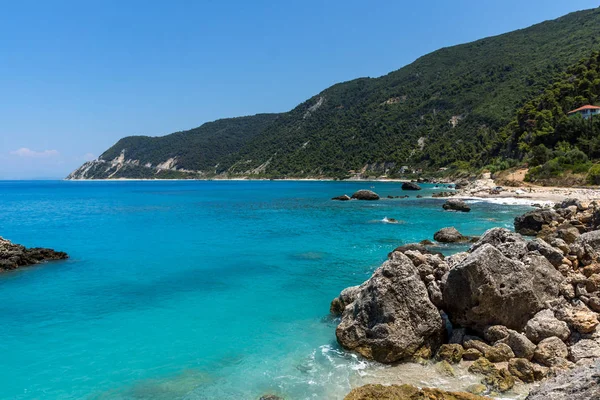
[{"x": 450, "y": 107}]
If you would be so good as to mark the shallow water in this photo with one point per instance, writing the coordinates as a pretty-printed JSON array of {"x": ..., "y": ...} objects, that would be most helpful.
[{"x": 197, "y": 290}]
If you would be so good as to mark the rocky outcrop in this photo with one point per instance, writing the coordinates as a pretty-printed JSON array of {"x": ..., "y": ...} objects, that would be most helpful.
[
  {"x": 582, "y": 383},
  {"x": 456, "y": 205},
  {"x": 532, "y": 222},
  {"x": 392, "y": 316},
  {"x": 13, "y": 256},
  {"x": 488, "y": 288},
  {"x": 449, "y": 235},
  {"x": 343, "y": 197},
  {"x": 365, "y": 195},
  {"x": 406, "y": 392},
  {"x": 410, "y": 186},
  {"x": 534, "y": 304}
]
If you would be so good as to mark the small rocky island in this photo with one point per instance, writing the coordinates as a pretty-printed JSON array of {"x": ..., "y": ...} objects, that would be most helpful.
[
  {"x": 13, "y": 256},
  {"x": 511, "y": 309}
]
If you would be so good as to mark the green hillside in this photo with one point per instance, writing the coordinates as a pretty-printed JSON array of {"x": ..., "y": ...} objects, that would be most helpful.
[
  {"x": 446, "y": 108},
  {"x": 544, "y": 135}
]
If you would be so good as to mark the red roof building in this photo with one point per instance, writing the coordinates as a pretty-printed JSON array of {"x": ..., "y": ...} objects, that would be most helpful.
[{"x": 586, "y": 111}]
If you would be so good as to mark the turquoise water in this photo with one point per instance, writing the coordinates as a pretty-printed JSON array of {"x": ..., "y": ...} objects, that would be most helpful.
[{"x": 196, "y": 290}]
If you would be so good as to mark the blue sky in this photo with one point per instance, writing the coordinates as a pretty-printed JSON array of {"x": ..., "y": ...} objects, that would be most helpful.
[{"x": 75, "y": 76}]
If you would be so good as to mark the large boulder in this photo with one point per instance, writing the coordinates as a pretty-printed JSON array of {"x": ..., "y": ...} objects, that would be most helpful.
[
  {"x": 449, "y": 235},
  {"x": 554, "y": 255},
  {"x": 410, "y": 186},
  {"x": 544, "y": 325},
  {"x": 392, "y": 317},
  {"x": 510, "y": 244},
  {"x": 551, "y": 352},
  {"x": 13, "y": 255},
  {"x": 456, "y": 205},
  {"x": 488, "y": 288},
  {"x": 365, "y": 195},
  {"x": 587, "y": 247},
  {"x": 532, "y": 222},
  {"x": 581, "y": 383}
]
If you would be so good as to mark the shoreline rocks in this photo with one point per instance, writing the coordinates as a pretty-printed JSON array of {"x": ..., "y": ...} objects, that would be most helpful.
[
  {"x": 406, "y": 392},
  {"x": 533, "y": 304},
  {"x": 13, "y": 256}
]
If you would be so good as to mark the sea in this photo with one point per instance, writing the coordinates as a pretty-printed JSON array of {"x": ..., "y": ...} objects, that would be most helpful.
[{"x": 200, "y": 289}]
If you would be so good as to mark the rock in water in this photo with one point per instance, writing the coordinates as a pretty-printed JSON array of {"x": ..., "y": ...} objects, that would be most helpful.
[
  {"x": 410, "y": 186},
  {"x": 344, "y": 197},
  {"x": 406, "y": 392},
  {"x": 13, "y": 256},
  {"x": 392, "y": 316},
  {"x": 581, "y": 383},
  {"x": 488, "y": 288},
  {"x": 456, "y": 205},
  {"x": 365, "y": 195},
  {"x": 449, "y": 235}
]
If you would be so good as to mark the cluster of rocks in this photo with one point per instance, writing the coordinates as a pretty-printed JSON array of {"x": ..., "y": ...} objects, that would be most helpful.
[
  {"x": 443, "y": 194},
  {"x": 406, "y": 392},
  {"x": 13, "y": 256},
  {"x": 508, "y": 306}
]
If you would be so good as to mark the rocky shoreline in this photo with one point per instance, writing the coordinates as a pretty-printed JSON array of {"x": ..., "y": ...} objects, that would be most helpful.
[
  {"x": 511, "y": 309},
  {"x": 13, "y": 256}
]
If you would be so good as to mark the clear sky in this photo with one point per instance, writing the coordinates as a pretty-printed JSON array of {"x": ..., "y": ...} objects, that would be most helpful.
[{"x": 76, "y": 76}]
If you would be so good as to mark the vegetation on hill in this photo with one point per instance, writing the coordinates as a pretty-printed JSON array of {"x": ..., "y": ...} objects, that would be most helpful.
[
  {"x": 449, "y": 108},
  {"x": 546, "y": 137}
]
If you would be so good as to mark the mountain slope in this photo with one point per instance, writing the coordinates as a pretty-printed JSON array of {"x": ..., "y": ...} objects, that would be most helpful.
[{"x": 446, "y": 107}]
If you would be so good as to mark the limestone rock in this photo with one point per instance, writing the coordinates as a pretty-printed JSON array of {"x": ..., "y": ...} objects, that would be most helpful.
[
  {"x": 365, "y": 195},
  {"x": 488, "y": 288},
  {"x": 451, "y": 353},
  {"x": 347, "y": 296},
  {"x": 554, "y": 255},
  {"x": 449, "y": 235},
  {"x": 392, "y": 316},
  {"x": 585, "y": 348},
  {"x": 13, "y": 256},
  {"x": 472, "y": 354},
  {"x": 520, "y": 344},
  {"x": 511, "y": 244},
  {"x": 522, "y": 369},
  {"x": 456, "y": 205},
  {"x": 544, "y": 325},
  {"x": 531, "y": 223},
  {"x": 550, "y": 351},
  {"x": 406, "y": 392},
  {"x": 499, "y": 352},
  {"x": 410, "y": 186},
  {"x": 582, "y": 383}
]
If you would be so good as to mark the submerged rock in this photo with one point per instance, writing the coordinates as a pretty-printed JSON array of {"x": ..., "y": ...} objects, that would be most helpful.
[
  {"x": 406, "y": 392},
  {"x": 13, "y": 256},
  {"x": 344, "y": 197},
  {"x": 392, "y": 316},
  {"x": 365, "y": 195},
  {"x": 581, "y": 383},
  {"x": 456, "y": 205}
]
